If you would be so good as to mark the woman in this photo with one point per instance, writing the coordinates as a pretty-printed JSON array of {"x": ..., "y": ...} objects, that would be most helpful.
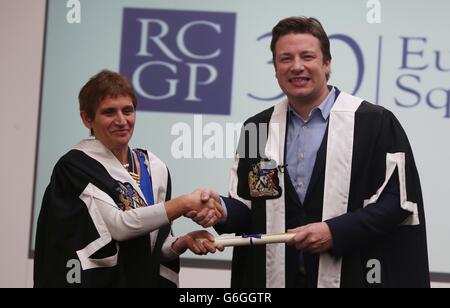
[{"x": 108, "y": 209}]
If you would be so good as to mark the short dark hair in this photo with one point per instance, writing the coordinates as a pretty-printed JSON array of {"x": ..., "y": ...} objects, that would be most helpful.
[
  {"x": 301, "y": 24},
  {"x": 104, "y": 84}
]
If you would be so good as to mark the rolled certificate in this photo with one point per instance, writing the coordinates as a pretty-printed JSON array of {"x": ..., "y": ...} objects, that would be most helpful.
[{"x": 253, "y": 239}]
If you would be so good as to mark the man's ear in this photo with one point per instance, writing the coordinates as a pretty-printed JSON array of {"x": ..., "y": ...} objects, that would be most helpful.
[
  {"x": 327, "y": 64},
  {"x": 86, "y": 120}
]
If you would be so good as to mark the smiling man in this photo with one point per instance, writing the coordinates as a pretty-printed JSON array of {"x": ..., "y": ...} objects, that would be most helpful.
[
  {"x": 302, "y": 71},
  {"x": 346, "y": 183}
]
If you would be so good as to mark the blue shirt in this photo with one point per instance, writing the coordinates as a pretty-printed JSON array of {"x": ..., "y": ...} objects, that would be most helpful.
[{"x": 303, "y": 141}]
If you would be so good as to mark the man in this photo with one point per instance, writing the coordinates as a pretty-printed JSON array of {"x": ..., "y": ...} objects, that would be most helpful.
[{"x": 346, "y": 182}]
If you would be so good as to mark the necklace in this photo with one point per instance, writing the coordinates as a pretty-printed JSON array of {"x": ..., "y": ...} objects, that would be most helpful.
[
  {"x": 132, "y": 168},
  {"x": 136, "y": 178}
]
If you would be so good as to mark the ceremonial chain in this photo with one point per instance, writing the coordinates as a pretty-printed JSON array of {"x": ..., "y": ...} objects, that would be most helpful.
[{"x": 132, "y": 170}]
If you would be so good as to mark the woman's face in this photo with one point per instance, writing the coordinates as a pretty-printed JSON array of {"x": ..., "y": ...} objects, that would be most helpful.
[{"x": 113, "y": 123}]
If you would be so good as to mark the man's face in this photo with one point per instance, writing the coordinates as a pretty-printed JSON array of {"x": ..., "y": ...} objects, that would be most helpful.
[
  {"x": 113, "y": 123},
  {"x": 300, "y": 69}
]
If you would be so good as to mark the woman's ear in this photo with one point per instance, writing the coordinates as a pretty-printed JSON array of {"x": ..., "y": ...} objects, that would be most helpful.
[{"x": 87, "y": 121}]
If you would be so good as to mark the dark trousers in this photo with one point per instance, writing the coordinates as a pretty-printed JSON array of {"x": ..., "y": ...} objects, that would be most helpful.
[{"x": 300, "y": 279}]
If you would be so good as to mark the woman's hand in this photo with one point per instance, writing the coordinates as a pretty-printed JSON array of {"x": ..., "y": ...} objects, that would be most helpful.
[
  {"x": 199, "y": 242},
  {"x": 211, "y": 211},
  {"x": 194, "y": 203}
]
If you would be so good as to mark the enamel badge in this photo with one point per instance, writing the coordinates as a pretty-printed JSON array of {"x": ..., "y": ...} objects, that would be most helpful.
[
  {"x": 127, "y": 197},
  {"x": 263, "y": 180}
]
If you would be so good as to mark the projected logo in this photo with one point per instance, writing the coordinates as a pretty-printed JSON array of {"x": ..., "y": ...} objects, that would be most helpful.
[{"x": 179, "y": 61}]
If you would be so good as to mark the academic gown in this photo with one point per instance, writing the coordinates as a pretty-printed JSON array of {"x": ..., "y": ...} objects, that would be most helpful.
[
  {"x": 71, "y": 227},
  {"x": 364, "y": 150}
]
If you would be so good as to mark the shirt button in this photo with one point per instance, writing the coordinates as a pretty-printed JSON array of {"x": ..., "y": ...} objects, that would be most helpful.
[
  {"x": 301, "y": 184},
  {"x": 301, "y": 156}
]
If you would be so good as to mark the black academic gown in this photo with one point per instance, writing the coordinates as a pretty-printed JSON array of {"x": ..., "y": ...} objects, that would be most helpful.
[
  {"x": 378, "y": 158},
  {"x": 67, "y": 225}
]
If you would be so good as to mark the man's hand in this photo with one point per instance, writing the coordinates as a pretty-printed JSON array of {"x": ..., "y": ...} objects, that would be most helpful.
[
  {"x": 199, "y": 242},
  {"x": 192, "y": 204},
  {"x": 313, "y": 238},
  {"x": 207, "y": 217}
]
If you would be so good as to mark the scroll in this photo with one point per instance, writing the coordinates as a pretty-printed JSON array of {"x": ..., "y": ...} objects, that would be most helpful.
[{"x": 253, "y": 239}]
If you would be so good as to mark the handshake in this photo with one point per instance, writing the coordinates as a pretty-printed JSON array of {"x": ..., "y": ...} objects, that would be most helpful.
[{"x": 204, "y": 207}]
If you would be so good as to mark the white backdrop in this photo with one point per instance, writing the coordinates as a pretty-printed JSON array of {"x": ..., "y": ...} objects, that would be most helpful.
[{"x": 404, "y": 66}]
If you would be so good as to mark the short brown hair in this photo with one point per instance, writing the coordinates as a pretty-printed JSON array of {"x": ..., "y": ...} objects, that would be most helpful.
[
  {"x": 103, "y": 85},
  {"x": 301, "y": 24}
]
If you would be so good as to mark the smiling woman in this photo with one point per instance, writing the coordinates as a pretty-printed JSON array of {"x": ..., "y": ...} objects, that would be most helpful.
[
  {"x": 108, "y": 109},
  {"x": 108, "y": 207},
  {"x": 113, "y": 124}
]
